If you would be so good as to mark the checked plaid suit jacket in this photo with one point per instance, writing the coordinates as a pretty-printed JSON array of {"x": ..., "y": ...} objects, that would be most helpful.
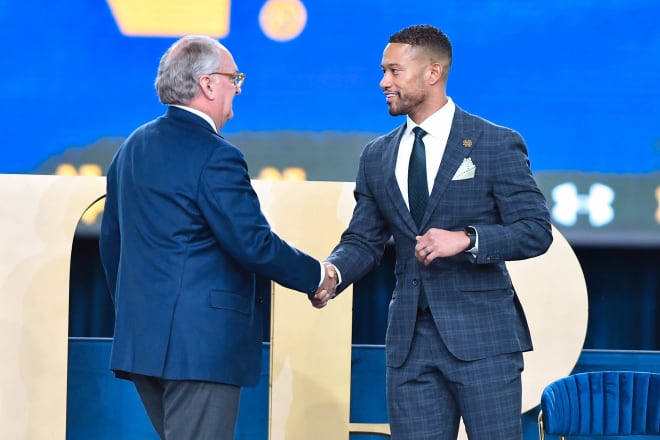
[{"x": 472, "y": 299}]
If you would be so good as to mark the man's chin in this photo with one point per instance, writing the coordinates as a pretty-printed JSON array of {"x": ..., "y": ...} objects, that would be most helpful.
[{"x": 394, "y": 111}]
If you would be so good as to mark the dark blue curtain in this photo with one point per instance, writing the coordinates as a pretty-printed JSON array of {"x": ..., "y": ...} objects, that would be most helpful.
[
  {"x": 623, "y": 285},
  {"x": 91, "y": 313}
]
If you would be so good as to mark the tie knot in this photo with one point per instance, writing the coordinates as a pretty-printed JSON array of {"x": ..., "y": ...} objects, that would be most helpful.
[{"x": 419, "y": 132}]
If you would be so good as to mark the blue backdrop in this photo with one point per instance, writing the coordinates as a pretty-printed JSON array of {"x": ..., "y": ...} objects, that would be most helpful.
[{"x": 578, "y": 78}]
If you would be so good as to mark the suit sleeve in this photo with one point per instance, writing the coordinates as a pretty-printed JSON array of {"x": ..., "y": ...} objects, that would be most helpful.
[
  {"x": 524, "y": 229},
  {"x": 232, "y": 209},
  {"x": 362, "y": 244}
]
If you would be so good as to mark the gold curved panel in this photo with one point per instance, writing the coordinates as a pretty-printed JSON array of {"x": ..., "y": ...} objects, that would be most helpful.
[
  {"x": 553, "y": 293},
  {"x": 38, "y": 218}
]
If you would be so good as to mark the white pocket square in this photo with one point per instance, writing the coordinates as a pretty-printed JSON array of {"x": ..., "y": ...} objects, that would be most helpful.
[{"x": 466, "y": 170}]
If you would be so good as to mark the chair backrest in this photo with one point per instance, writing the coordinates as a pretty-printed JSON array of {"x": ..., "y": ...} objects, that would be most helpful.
[{"x": 602, "y": 403}]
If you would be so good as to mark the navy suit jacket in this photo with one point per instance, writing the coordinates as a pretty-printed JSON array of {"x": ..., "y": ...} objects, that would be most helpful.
[
  {"x": 472, "y": 299},
  {"x": 182, "y": 239}
]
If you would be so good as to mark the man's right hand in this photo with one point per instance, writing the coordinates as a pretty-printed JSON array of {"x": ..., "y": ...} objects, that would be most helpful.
[{"x": 328, "y": 288}]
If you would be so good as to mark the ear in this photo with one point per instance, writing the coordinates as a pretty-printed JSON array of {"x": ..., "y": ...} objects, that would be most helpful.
[
  {"x": 435, "y": 73},
  {"x": 207, "y": 86}
]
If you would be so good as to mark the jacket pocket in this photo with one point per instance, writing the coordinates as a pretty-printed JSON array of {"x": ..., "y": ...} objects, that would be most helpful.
[
  {"x": 476, "y": 281},
  {"x": 219, "y": 299}
]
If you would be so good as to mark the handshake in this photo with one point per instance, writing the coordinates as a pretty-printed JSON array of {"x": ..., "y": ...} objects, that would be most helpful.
[{"x": 327, "y": 289}]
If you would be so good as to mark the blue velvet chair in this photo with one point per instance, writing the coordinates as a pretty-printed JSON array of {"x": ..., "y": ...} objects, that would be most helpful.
[{"x": 606, "y": 403}]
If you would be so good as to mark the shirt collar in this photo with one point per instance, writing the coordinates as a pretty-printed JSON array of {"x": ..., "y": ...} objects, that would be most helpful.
[
  {"x": 442, "y": 117},
  {"x": 201, "y": 114}
]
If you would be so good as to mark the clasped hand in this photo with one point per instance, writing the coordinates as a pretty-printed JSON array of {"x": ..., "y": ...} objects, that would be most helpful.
[
  {"x": 440, "y": 243},
  {"x": 327, "y": 289}
]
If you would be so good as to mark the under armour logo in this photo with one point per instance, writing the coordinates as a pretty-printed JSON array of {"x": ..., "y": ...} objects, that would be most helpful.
[{"x": 569, "y": 204}]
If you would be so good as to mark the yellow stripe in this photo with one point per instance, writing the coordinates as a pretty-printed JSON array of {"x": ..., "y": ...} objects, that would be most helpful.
[{"x": 171, "y": 18}]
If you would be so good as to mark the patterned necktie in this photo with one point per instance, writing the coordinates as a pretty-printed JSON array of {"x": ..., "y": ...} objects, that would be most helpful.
[{"x": 418, "y": 190}]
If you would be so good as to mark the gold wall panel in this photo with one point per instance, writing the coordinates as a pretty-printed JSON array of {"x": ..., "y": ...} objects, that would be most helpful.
[
  {"x": 310, "y": 348},
  {"x": 38, "y": 219}
]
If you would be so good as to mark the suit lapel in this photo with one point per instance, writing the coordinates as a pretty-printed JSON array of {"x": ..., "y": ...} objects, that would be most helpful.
[
  {"x": 455, "y": 152},
  {"x": 459, "y": 147},
  {"x": 390, "y": 152}
]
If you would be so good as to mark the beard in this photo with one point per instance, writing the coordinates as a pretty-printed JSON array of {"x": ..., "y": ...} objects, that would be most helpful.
[{"x": 404, "y": 104}]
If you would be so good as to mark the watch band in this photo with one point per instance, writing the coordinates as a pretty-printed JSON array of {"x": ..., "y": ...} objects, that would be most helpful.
[{"x": 472, "y": 235}]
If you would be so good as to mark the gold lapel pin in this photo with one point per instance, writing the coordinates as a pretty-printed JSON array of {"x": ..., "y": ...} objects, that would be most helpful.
[{"x": 467, "y": 143}]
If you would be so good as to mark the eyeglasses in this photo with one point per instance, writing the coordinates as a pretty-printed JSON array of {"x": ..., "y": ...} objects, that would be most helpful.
[{"x": 237, "y": 78}]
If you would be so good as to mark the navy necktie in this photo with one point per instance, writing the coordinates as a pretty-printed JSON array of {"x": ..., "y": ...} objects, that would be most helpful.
[{"x": 418, "y": 190}]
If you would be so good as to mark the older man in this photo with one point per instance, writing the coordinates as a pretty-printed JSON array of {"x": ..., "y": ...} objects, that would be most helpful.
[{"x": 182, "y": 240}]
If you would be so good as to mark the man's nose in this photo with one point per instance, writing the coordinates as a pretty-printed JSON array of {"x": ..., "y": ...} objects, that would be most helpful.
[{"x": 385, "y": 82}]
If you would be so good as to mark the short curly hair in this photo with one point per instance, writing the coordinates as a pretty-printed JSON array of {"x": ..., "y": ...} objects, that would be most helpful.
[{"x": 428, "y": 37}]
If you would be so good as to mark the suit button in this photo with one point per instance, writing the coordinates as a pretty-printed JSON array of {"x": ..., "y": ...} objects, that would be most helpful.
[
  {"x": 415, "y": 282},
  {"x": 260, "y": 300}
]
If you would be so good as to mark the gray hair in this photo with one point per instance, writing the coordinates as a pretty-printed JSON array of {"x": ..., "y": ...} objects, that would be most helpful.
[{"x": 181, "y": 66}]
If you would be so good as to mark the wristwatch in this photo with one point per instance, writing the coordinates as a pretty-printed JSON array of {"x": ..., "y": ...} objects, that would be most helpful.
[{"x": 472, "y": 235}]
